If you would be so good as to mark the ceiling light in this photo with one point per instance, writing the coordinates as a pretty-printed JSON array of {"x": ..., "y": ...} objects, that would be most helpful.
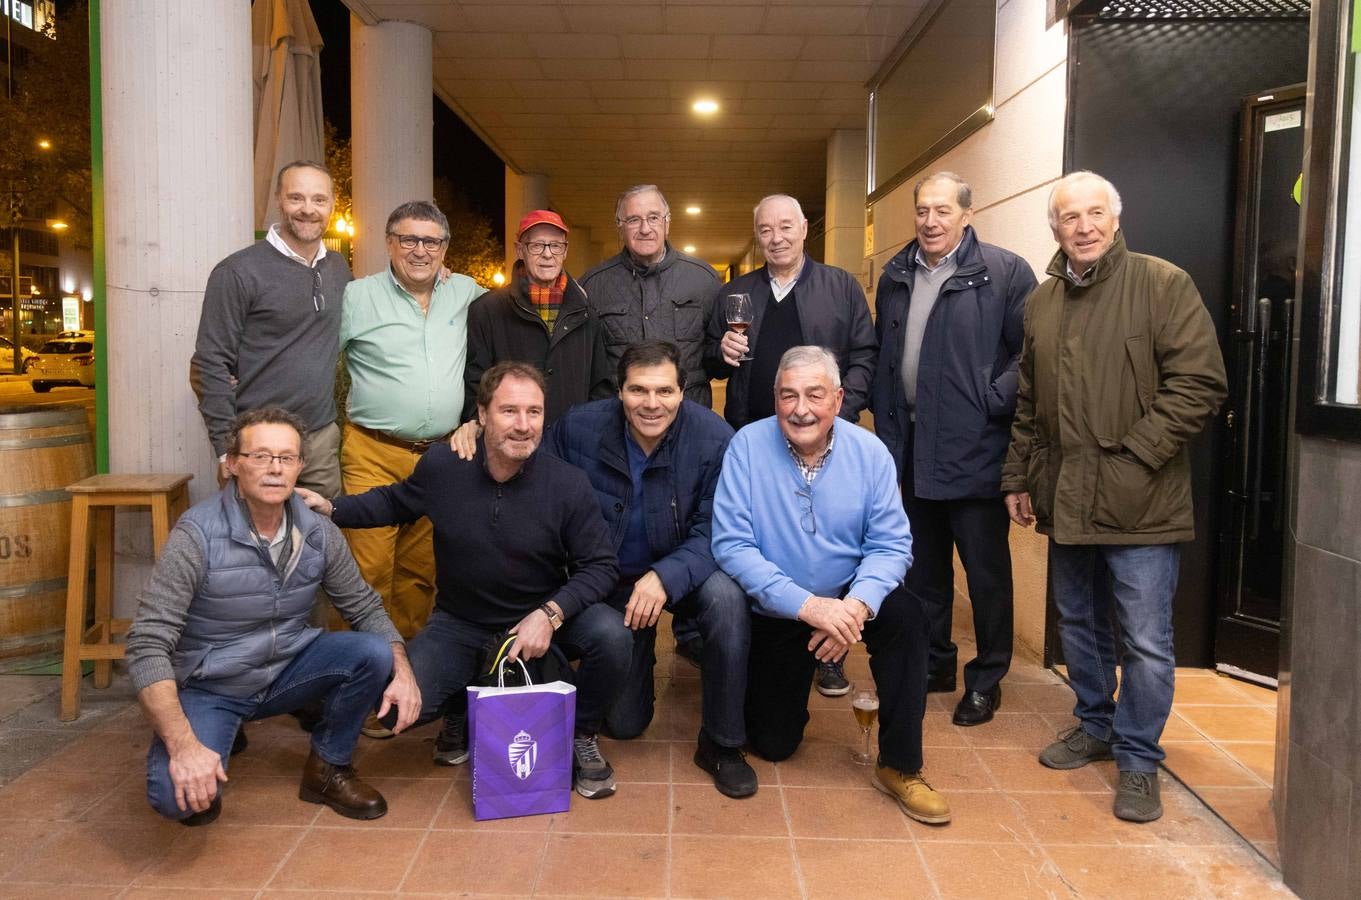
[
  {"x": 689, "y": 248},
  {"x": 705, "y": 107},
  {"x": 692, "y": 210}
]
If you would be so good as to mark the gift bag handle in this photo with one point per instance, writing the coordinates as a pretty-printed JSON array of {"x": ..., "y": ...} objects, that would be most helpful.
[{"x": 501, "y": 671}]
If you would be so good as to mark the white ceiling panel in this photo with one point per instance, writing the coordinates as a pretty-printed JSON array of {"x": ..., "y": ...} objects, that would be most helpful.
[{"x": 597, "y": 96}]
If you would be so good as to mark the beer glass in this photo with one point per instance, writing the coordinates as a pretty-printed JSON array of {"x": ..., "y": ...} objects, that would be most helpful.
[
  {"x": 865, "y": 705},
  {"x": 737, "y": 310}
]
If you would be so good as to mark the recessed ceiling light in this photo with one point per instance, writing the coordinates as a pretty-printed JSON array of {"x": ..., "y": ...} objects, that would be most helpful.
[
  {"x": 705, "y": 107},
  {"x": 692, "y": 210},
  {"x": 689, "y": 248}
]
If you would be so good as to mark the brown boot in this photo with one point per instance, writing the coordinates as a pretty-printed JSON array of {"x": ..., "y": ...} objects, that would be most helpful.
[{"x": 339, "y": 788}]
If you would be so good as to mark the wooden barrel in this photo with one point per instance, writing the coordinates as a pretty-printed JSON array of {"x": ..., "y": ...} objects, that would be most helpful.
[{"x": 42, "y": 450}]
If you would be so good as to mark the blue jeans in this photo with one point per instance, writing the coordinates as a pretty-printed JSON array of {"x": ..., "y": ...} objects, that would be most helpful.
[
  {"x": 719, "y": 610},
  {"x": 445, "y": 655},
  {"x": 346, "y": 670},
  {"x": 1133, "y": 585}
]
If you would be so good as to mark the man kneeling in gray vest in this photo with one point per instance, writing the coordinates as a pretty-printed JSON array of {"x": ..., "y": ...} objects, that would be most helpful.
[{"x": 221, "y": 635}]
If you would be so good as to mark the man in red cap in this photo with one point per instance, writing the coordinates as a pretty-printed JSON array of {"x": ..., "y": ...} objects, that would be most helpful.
[{"x": 540, "y": 316}]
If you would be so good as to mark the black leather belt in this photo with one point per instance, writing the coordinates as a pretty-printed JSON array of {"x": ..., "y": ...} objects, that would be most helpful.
[{"x": 416, "y": 447}]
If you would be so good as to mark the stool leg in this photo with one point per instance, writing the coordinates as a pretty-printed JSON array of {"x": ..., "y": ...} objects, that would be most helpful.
[
  {"x": 104, "y": 518},
  {"x": 76, "y": 576},
  {"x": 160, "y": 523}
]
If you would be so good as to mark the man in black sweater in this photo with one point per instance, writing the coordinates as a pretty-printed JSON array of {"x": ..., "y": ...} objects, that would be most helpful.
[{"x": 520, "y": 546}]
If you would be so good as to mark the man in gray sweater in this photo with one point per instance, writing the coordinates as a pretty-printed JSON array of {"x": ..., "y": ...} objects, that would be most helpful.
[
  {"x": 221, "y": 634},
  {"x": 269, "y": 331}
]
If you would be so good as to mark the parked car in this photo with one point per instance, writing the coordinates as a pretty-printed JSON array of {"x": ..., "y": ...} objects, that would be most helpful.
[
  {"x": 63, "y": 361},
  {"x": 7, "y": 356}
]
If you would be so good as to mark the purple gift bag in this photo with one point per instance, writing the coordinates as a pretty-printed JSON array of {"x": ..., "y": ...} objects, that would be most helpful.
[{"x": 520, "y": 741}]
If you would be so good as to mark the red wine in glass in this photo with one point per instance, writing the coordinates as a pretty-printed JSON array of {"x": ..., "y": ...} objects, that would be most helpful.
[{"x": 737, "y": 310}]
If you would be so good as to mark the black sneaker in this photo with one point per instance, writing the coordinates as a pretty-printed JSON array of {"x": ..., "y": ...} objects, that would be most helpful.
[
  {"x": 1137, "y": 799},
  {"x": 831, "y": 680},
  {"x": 1074, "y": 749},
  {"x": 451, "y": 744},
  {"x": 733, "y": 776},
  {"x": 592, "y": 777}
]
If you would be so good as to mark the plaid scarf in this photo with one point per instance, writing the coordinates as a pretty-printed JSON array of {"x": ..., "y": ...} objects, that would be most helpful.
[{"x": 548, "y": 300}]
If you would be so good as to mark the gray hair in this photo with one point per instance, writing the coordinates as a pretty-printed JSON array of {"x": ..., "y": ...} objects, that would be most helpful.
[
  {"x": 1112, "y": 195},
  {"x": 420, "y": 211},
  {"x": 634, "y": 192},
  {"x": 963, "y": 193},
  {"x": 756, "y": 210},
  {"x": 810, "y": 355},
  {"x": 300, "y": 164}
]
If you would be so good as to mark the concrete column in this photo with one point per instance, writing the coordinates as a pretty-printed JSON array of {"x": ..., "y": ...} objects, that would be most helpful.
[
  {"x": 392, "y": 128},
  {"x": 846, "y": 190},
  {"x": 523, "y": 193},
  {"x": 178, "y": 195}
]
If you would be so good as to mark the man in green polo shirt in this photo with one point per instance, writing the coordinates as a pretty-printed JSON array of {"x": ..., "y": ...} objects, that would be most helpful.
[{"x": 404, "y": 335}]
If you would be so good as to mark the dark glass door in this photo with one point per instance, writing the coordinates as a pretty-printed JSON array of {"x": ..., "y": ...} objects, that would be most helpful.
[{"x": 1255, "y": 503}]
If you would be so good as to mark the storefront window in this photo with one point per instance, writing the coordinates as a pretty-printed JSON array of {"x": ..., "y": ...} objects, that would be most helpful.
[{"x": 1330, "y": 336}]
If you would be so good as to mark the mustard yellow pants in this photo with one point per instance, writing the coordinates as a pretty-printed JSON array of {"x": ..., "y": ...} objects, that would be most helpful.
[{"x": 397, "y": 560}]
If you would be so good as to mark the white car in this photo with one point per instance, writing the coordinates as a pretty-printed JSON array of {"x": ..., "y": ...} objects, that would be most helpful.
[
  {"x": 63, "y": 361},
  {"x": 7, "y": 356}
]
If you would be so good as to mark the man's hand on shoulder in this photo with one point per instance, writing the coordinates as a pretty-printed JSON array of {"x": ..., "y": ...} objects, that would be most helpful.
[
  {"x": 314, "y": 501},
  {"x": 646, "y": 602},
  {"x": 464, "y": 439}
]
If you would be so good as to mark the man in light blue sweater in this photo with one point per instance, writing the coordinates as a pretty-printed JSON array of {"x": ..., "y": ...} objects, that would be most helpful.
[{"x": 809, "y": 522}]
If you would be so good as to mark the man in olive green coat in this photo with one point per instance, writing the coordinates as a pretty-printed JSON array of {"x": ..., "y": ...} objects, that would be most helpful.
[{"x": 1120, "y": 367}]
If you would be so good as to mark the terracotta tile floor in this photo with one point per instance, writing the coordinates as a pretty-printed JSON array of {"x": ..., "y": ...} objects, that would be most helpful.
[{"x": 76, "y": 822}]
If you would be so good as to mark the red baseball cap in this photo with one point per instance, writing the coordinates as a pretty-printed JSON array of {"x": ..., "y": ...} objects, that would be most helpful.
[{"x": 540, "y": 217}]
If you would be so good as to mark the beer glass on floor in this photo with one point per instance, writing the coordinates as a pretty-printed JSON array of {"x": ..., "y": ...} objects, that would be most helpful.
[{"x": 865, "y": 705}]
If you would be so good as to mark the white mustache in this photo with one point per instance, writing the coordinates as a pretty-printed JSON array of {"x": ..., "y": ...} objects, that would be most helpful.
[{"x": 801, "y": 420}]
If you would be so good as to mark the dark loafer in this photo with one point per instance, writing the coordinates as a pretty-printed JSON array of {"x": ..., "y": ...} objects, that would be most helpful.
[
  {"x": 940, "y": 684},
  {"x": 976, "y": 708}
]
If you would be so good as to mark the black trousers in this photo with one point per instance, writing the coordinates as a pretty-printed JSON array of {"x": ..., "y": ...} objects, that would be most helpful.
[
  {"x": 780, "y": 674},
  {"x": 978, "y": 527}
]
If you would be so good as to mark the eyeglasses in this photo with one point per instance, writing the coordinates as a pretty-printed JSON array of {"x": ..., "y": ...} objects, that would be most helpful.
[
  {"x": 653, "y": 220},
  {"x": 554, "y": 248},
  {"x": 318, "y": 298},
  {"x": 260, "y": 459},
  {"x": 806, "y": 520},
  {"x": 409, "y": 241}
]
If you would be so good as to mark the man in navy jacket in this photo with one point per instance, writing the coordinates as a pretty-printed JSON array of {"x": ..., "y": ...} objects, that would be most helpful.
[
  {"x": 653, "y": 458},
  {"x": 950, "y": 322}
]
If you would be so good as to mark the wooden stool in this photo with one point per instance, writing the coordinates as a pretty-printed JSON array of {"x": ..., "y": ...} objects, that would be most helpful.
[{"x": 168, "y": 496}]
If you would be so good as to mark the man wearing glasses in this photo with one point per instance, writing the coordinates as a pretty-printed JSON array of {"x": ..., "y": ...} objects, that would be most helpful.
[
  {"x": 651, "y": 291},
  {"x": 221, "y": 635},
  {"x": 403, "y": 332},
  {"x": 267, "y": 331},
  {"x": 809, "y": 522},
  {"x": 540, "y": 317}
]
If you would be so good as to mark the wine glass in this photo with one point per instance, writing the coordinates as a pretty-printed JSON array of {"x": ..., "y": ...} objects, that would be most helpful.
[
  {"x": 737, "y": 310},
  {"x": 865, "y": 705}
]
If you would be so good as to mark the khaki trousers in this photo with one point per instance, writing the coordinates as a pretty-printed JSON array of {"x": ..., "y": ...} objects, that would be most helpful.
[{"x": 397, "y": 560}]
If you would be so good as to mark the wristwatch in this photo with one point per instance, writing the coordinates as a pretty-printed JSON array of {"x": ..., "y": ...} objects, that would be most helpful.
[{"x": 553, "y": 618}]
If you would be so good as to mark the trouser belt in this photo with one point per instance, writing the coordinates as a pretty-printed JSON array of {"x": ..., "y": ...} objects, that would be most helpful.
[{"x": 383, "y": 437}]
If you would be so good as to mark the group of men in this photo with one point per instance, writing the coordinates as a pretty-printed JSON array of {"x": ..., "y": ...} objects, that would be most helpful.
[{"x": 538, "y": 467}]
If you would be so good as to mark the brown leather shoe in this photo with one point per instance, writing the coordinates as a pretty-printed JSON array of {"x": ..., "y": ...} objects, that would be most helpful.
[{"x": 339, "y": 788}]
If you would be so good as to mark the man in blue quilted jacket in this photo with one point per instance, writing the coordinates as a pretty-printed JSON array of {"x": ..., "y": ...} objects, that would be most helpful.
[{"x": 221, "y": 634}]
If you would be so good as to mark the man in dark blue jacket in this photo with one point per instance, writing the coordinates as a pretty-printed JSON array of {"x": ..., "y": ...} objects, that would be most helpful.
[
  {"x": 950, "y": 321},
  {"x": 653, "y": 458}
]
